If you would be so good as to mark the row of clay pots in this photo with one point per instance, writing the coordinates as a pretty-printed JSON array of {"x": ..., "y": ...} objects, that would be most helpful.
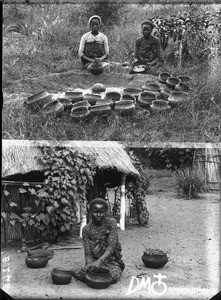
[{"x": 179, "y": 83}]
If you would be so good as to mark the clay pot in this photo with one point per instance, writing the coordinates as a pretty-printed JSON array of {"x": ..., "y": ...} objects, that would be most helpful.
[
  {"x": 145, "y": 99},
  {"x": 98, "y": 280},
  {"x": 184, "y": 78},
  {"x": 184, "y": 87},
  {"x": 98, "y": 88},
  {"x": 92, "y": 98},
  {"x": 160, "y": 106},
  {"x": 176, "y": 97},
  {"x": 106, "y": 101},
  {"x": 81, "y": 103},
  {"x": 163, "y": 77},
  {"x": 132, "y": 91},
  {"x": 154, "y": 261},
  {"x": 66, "y": 102},
  {"x": 115, "y": 96},
  {"x": 96, "y": 68},
  {"x": 128, "y": 97},
  {"x": 172, "y": 82},
  {"x": 37, "y": 101},
  {"x": 100, "y": 109},
  {"x": 41, "y": 253},
  {"x": 125, "y": 107},
  {"x": 60, "y": 277},
  {"x": 36, "y": 262},
  {"x": 74, "y": 96},
  {"x": 79, "y": 112},
  {"x": 151, "y": 87},
  {"x": 54, "y": 107}
]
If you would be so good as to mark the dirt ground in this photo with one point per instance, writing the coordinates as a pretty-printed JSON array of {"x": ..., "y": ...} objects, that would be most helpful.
[{"x": 187, "y": 229}]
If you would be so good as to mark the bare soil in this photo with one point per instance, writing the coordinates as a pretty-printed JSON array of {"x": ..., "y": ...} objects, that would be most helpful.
[{"x": 187, "y": 229}]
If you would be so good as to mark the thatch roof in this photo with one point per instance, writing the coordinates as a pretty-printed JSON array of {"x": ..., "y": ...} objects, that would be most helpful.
[{"x": 19, "y": 156}]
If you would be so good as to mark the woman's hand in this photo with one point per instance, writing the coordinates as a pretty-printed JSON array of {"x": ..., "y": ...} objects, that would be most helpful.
[
  {"x": 96, "y": 265},
  {"x": 98, "y": 59}
]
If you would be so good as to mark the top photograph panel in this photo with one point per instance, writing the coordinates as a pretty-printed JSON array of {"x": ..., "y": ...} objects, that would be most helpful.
[{"x": 112, "y": 71}]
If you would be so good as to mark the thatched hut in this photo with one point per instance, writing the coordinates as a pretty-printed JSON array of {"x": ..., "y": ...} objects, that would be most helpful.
[{"x": 20, "y": 164}]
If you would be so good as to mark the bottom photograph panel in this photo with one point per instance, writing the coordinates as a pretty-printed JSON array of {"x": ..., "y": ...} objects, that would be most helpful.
[{"x": 107, "y": 220}]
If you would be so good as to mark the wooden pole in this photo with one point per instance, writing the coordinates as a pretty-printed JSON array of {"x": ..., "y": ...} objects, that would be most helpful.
[
  {"x": 83, "y": 218},
  {"x": 122, "y": 202}
]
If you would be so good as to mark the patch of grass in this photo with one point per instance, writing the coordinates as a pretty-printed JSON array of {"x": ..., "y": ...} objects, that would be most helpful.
[{"x": 189, "y": 183}]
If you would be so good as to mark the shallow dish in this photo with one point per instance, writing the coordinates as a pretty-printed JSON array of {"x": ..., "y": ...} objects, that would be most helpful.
[
  {"x": 128, "y": 97},
  {"x": 163, "y": 77},
  {"x": 139, "y": 67}
]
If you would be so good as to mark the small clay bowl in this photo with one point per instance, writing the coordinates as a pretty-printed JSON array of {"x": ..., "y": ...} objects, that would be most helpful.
[
  {"x": 160, "y": 106},
  {"x": 74, "y": 96},
  {"x": 115, "y": 96},
  {"x": 92, "y": 98},
  {"x": 154, "y": 261},
  {"x": 100, "y": 109},
  {"x": 184, "y": 78},
  {"x": 163, "y": 77},
  {"x": 96, "y": 68},
  {"x": 60, "y": 276},
  {"x": 36, "y": 262},
  {"x": 106, "y": 101},
  {"x": 100, "y": 279},
  {"x": 54, "y": 107},
  {"x": 172, "y": 82},
  {"x": 148, "y": 95}
]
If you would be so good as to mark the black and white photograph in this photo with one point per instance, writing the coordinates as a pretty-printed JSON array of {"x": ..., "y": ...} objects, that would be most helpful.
[{"x": 111, "y": 149}]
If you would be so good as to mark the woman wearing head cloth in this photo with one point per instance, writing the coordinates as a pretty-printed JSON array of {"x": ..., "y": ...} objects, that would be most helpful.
[
  {"x": 147, "y": 47},
  {"x": 94, "y": 44},
  {"x": 101, "y": 244}
]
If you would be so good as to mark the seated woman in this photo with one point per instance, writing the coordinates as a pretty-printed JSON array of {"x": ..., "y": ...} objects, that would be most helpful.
[
  {"x": 94, "y": 44},
  {"x": 147, "y": 47},
  {"x": 101, "y": 244}
]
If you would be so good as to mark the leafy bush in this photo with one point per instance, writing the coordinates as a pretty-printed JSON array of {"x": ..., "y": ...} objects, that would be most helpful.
[{"x": 189, "y": 183}]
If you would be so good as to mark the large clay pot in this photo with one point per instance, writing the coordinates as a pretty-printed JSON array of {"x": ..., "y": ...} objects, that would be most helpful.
[
  {"x": 36, "y": 262},
  {"x": 60, "y": 276},
  {"x": 151, "y": 87},
  {"x": 92, "y": 98},
  {"x": 184, "y": 78},
  {"x": 66, "y": 102},
  {"x": 96, "y": 68},
  {"x": 100, "y": 109},
  {"x": 146, "y": 98},
  {"x": 160, "y": 106},
  {"x": 163, "y": 76},
  {"x": 81, "y": 103},
  {"x": 115, "y": 96},
  {"x": 154, "y": 261},
  {"x": 176, "y": 98},
  {"x": 125, "y": 107},
  {"x": 132, "y": 91},
  {"x": 53, "y": 108},
  {"x": 37, "y": 101},
  {"x": 79, "y": 112},
  {"x": 172, "y": 82},
  {"x": 98, "y": 280},
  {"x": 74, "y": 96}
]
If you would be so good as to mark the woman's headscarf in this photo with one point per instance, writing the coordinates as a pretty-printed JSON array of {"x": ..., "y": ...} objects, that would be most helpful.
[
  {"x": 94, "y": 17},
  {"x": 148, "y": 22},
  {"x": 98, "y": 201}
]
